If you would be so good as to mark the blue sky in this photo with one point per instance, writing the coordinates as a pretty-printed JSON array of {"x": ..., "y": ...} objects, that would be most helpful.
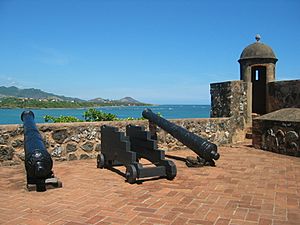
[{"x": 156, "y": 51}]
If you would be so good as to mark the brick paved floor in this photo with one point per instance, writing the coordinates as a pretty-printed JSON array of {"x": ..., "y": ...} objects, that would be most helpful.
[{"x": 248, "y": 186}]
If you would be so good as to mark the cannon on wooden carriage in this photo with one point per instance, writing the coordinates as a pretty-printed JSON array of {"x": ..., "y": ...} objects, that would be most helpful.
[
  {"x": 38, "y": 161},
  {"x": 118, "y": 149},
  {"x": 207, "y": 152}
]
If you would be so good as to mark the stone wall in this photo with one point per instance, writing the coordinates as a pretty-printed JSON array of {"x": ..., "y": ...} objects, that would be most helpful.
[
  {"x": 231, "y": 99},
  {"x": 283, "y": 94},
  {"x": 72, "y": 141},
  {"x": 278, "y": 132}
]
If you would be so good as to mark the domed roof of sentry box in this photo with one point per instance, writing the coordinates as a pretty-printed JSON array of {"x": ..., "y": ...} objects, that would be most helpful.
[{"x": 258, "y": 50}]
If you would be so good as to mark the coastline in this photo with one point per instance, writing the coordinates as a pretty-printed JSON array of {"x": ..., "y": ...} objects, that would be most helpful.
[{"x": 12, "y": 115}]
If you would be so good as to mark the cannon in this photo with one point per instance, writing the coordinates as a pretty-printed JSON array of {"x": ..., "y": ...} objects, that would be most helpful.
[
  {"x": 127, "y": 150},
  {"x": 38, "y": 161},
  {"x": 205, "y": 150}
]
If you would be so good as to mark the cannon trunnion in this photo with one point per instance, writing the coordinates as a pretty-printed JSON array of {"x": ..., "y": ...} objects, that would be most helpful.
[
  {"x": 118, "y": 149},
  {"x": 38, "y": 161},
  {"x": 204, "y": 149}
]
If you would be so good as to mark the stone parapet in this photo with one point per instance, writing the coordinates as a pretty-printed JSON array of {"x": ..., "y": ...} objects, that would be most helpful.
[
  {"x": 72, "y": 141},
  {"x": 278, "y": 132},
  {"x": 231, "y": 99}
]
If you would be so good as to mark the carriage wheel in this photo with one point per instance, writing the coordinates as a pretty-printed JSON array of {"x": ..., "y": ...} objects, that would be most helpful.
[{"x": 131, "y": 174}]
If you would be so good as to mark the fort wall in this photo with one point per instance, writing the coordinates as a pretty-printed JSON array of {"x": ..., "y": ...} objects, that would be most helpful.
[{"x": 72, "y": 141}]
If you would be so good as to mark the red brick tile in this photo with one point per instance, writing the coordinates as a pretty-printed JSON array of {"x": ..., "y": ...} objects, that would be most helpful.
[
  {"x": 240, "y": 213},
  {"x": 137, "y": 220},
  {"x": 170, "y": 216},
  {"x": 156, "y": 221},
  {"x": 202, "y": 222},
  {"x": 95, "y": 219},
  {"x": 212, "y": 216},
  {"x": 222, "y": 221},
  {"x": 141, "y": 209},
  {"x": 179, "y": 221},
  {"x": 293, "y": 217},
  {"x": 184, "y": 210},
  {"x": 252, "y": 217},
  {"x": 74, "y": 223},
  {"x": 264, "y": 221}
]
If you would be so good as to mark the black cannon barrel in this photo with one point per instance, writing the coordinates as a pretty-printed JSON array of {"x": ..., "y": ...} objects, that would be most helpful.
[
  {"x": 200, "y": 146},
  {"x": 38, "y": 161}
]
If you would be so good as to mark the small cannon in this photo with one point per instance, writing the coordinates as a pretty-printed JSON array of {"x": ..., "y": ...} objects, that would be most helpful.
[
  {"x": 206, "y": 150},
  {"x": 38, "y": 162},
  {"x": 118, "y": 149}
]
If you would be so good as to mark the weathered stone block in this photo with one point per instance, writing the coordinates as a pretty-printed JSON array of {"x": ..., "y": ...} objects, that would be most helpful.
[
  {"x": 57, "y": 152},
  {"x": 84, "y": 156},
  {"x": 87, "y": 146},
  {"x": 72, "y": 156},
  {"x": 60, "y": 135},
  {"x": 6, "y": 153},
  {"x": 21, "y": 156},
  {"x": 71, "y": 147},
  {"x": 16, "y": 132},
  {"x": 4, "y": 139},
  {"x": 17, "y": 143}
]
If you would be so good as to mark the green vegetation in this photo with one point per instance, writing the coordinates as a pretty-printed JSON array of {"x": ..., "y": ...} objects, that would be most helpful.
[
  {"x": 13, "y": 102},
  {"x": 61, "y": 119},
  {"x": 91, "y": 115}
]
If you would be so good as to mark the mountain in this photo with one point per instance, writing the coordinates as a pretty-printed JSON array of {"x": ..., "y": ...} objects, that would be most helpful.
[
  {"x": 32, "y": 93},
  {"x": 126, "y": 101},
  {"x": 99, "y": 100},
  {"x": 129, "y": 100}
]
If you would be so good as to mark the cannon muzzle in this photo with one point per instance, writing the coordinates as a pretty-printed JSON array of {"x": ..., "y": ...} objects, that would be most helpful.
[{"x": 200, "y": 146}]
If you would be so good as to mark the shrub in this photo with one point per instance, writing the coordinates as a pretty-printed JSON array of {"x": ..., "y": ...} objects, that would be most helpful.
[
  {"x": 94, "y": 115},
  {"x": 61, "y": 119}
]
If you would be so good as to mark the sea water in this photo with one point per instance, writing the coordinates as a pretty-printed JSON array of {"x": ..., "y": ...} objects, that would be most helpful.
[{"x": 13, "y": 116}]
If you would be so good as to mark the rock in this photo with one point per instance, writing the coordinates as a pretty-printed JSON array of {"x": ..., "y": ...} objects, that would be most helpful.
[
  {"x": 88, "y": 146},
  {"x": 17, "y": 143},
  {"x": 72, "y": 156},
  {"x": 60, "y": 135},
  {"x": 16, "y": 132},
  {"x": 71, "y": 147},
  {"x": 6, "y": 153},
  {"x": 44, "y": 129},
  {"x": 76, "y": 138},
  {"x": 84, "y": 156},
  {"x": 92, "y": 134},
  {"x": 57, "y": 152},
  {"x": 4, "y": 139},
  {"x": 21, "y": 156}
]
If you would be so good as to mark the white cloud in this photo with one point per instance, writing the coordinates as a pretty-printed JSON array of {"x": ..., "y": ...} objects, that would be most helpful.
[{"x": 6, "y": 80}]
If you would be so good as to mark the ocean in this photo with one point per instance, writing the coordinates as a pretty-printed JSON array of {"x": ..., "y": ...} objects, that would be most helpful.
[{"x": 13, "y": 116}]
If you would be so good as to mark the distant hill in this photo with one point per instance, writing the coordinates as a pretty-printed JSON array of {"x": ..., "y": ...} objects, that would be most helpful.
[
  {"x": 99, "y": 100},
  {"x": 37, "y": 94},
  {"x": 32, "y": 93},
  {"x": 129, "y": 100},
  {"x": 126, "y": 101}
]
